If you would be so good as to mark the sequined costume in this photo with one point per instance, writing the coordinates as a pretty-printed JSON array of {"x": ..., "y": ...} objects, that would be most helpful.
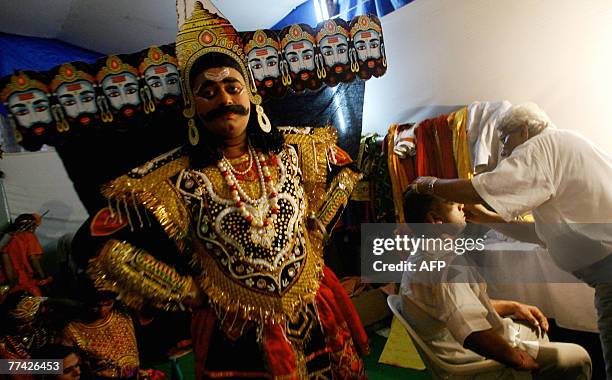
[
  {"x": 109, "y": 345},
  {"x": 273, "y": 309}
]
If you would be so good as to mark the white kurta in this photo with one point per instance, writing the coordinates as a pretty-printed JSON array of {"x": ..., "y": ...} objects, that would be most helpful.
[{"x": 566, "y": 182}]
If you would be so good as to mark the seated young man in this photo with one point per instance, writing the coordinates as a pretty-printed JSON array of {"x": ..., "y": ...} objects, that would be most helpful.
[{"x": 462, "y": 324}]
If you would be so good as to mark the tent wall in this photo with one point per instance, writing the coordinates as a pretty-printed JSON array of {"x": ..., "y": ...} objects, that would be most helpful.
[{"x": 444, "y": 53}]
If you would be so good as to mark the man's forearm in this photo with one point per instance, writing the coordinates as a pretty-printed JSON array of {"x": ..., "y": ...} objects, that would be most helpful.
[
  {"x": 457, "y": 190},
  {"x": 491, "y": 345}
]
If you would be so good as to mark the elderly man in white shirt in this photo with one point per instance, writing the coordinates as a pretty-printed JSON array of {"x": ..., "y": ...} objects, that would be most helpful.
[
  {"x": 452, "y": 312},
  {"x": 565, "y": 181}
]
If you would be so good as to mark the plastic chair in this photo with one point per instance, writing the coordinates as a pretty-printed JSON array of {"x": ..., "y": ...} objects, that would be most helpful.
[{"x": 438, "y": 368}]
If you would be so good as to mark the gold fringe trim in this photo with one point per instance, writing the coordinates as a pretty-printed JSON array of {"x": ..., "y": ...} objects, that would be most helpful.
[
  {"x": 138, "y": 277},
  {"x": 233, "y": 299},
  {"x": 154, "y": 192}
]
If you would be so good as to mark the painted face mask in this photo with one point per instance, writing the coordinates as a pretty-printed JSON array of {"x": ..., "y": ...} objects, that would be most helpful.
[
  {"x": 303, "y": 68},
  {"x": 27, "y": 99},
  {"x": 120, "y": 87},
  {"x": 160, "y": 75},
  {"x": 369, "y": 46},
  {"x": 74, "y": 89},
  {"x": 333, "y": 39},
  {"x": 262, "y": 51}
]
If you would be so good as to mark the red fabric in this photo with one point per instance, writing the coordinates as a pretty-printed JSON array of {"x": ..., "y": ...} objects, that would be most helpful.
[
  {"x": 202, "y": 325},
  {"x": 346, "y": 362},
  {"x": 445, "y": 137},
  {"x": 106, "y": 223},
  {"x": 339, "y": 157},
  {"x": 281, "y": 360},
  {"x": 21, "y": 246},
  {"x": 435, "y": 148},
  {"x": 347, "y": 311}
]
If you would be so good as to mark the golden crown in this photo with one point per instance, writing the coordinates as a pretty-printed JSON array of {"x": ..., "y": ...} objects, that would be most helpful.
[
  {"x": 261, "y": 39},
  {"x": 68, "y": 73},
  {"x": 114, "y": 65},
  {"x": 204, "y": 33},
  {"x": 21, "y": 82},
  {"x": 329, "y": 28},
  {"x": 363, "y": 23},
  {"x": 155, "y": 56}
]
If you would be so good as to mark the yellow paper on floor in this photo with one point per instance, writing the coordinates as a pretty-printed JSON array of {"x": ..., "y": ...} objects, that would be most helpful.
[{"x": 399, "y": 349}]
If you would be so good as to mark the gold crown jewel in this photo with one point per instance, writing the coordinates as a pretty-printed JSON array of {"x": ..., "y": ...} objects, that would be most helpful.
[
  {"x": 204, "y": 33},
  {"x": 68, "y": 73},
  {"x": 261, "y": 39},
  {"x": 365, "y": 22},
  {"x": 114, "y": 65},
  {"x": 156, "y": 56},
  {"x": 21, "y": 82},
  {"x": 330, "y": 27}
]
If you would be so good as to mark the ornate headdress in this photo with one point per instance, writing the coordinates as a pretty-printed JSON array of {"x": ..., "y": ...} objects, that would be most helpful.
[
  {"x": 68, "y": 73},
  {"x": 365, "y": 22},
  {"x": 296, "y": 33},
  {"x": 204, "y": 33},
  {"x": 330, "y": 28},
  {"x": 155, "y": 57},
  {"x": 114, "y": 65},
  {"x": 21, "y": 82},
  {"x": 26, "y": 309},
  {"x": 261, "y": 39}
]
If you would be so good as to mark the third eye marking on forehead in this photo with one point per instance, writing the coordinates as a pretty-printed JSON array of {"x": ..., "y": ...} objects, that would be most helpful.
[{"x": 217, "y": 76}]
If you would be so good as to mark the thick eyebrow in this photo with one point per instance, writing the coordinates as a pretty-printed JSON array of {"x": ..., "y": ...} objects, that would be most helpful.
[
  {"x": 111, "y": 88},
  {"x": 18, "y": 105},
  {"x": 131, "y": 85},
  {"x": 172, "y": 75},
  {"x": 343, "y": 45},
  {"x": 271, "y": 58},
  {"x": 374, "y": 40},
  {"x": 307, "y": 51},
  {"x": 254, "y": 60},
  {"x": 153, "y": 77}
]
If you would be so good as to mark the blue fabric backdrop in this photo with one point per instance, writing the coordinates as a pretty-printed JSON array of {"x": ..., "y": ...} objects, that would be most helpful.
[
  {"x": 38, "y": 54},
  {"x": 305, "y": 13}
]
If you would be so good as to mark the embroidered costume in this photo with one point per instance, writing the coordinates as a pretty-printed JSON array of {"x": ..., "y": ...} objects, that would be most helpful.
[
  {"x": 247, "y": 232},
  {"x": 109, "y": 344}
]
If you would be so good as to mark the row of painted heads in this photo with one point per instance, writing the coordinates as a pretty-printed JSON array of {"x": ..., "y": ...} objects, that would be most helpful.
[
  {"x": 75, "y": 97},
  {"x": 300, "y": 57}
]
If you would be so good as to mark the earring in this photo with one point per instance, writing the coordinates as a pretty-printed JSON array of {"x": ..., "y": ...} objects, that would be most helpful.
[
  {"x": 106, "y": 114},
  {"x": 192, "y": 132},
  {"x": 60, "y": 122},
  {"x": 384, "y": 56},
  {"x": 262, "y": 119}
]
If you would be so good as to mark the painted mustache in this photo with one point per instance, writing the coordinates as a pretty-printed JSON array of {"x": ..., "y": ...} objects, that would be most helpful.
[{"x": 222, "y": 110}]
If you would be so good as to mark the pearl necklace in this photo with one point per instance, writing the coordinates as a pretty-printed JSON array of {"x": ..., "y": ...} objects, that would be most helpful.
[
  {"x": 236, "y": 171},
  {"x": 239, "y": 196}
]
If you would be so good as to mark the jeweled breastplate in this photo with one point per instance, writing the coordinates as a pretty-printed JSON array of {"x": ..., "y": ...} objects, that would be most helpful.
[{"x": 265, "y": 272}]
